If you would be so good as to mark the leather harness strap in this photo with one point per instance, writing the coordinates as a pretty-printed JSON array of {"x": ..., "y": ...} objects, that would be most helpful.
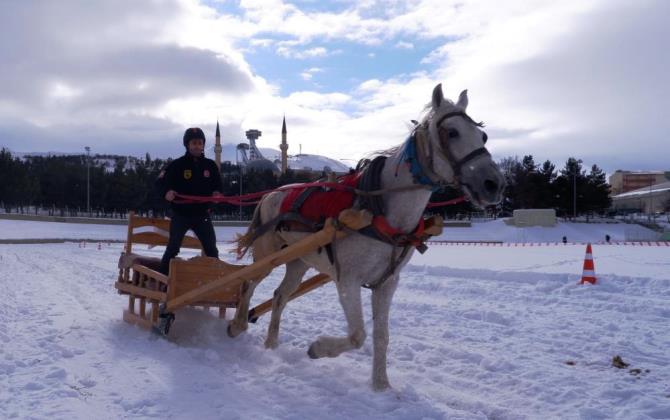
[{"x": 418, "y": 154}]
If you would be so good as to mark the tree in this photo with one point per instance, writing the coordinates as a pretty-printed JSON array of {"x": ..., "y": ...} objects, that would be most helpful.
[
  {"x": 571, "y": 182},
  {"x": 545, "y": 186},
  {"x": 597, "y": 194}
]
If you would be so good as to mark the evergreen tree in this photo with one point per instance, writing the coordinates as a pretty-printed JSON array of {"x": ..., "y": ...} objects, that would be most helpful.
[
  {"x": 597, "y": 197},
  {"x": 570, "y": 184},
  {"x": 545, "y": 188}
]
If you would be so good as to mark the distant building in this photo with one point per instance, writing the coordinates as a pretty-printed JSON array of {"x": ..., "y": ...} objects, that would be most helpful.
[
  {"x": 284, "y": 148},
  {"x": 251, "y": 158},
  {"x": 625, "y": 181},
  {"x": 651, "y": 199},
  {"x": 217, "y": 146}
]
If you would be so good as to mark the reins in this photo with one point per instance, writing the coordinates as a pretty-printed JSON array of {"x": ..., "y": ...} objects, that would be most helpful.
[
  {"x": 246, "y": 198},
  {"x": 415, "y": 154}
]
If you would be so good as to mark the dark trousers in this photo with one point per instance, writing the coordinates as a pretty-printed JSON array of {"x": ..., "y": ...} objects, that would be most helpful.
[{"x": 179, "y": 225}]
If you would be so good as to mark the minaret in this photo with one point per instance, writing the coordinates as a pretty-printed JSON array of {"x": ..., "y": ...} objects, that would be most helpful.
[
  {"x": 217, "y": 147},
  {"x": 284, "y": 148}
]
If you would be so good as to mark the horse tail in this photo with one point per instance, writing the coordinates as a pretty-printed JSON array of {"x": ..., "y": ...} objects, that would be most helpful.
[{"x": 246, "y": 241}]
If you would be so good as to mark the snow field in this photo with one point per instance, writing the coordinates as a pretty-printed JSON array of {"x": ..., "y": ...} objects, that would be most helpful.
[{"x": 475, "y": 333}]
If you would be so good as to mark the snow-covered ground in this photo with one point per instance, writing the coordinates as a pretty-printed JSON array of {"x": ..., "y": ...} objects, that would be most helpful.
[{"x": 477, "y": 332}]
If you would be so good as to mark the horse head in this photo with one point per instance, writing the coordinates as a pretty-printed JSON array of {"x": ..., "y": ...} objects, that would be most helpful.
[{"x": 451, "y": 150}]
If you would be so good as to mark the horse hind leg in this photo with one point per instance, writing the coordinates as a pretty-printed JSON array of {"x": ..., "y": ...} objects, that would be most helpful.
[
  {"x": 263, "y": 246},
  {"x": 350, "y": 298},
  {"x": 240, "y": 322},
  {"x": 295, "y": 270}
]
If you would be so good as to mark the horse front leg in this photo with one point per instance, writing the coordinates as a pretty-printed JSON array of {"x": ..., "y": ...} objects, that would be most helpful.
[
  {"x": 381, "y": 304},
  {"x": 349, "y": 292},
  {"x": 295, "y": 270}
]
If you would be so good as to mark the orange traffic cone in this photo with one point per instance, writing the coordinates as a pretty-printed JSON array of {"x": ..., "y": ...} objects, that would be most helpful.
[{"x": 589, "y": 273}]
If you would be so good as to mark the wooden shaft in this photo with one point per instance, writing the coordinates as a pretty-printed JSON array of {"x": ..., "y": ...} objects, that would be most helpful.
[
  {"x": 306, "y": 286},
  {"x": 353, "y": 219},
  {"x": 302, "y": 247}
]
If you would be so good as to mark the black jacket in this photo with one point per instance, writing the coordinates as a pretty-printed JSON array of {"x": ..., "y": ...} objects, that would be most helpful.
[{"x": 190, "y": 176}]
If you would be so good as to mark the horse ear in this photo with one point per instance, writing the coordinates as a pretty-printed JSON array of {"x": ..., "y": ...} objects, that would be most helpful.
[
  {"x": 437, "y": 96},
  {"x": 463, "y": 100}
]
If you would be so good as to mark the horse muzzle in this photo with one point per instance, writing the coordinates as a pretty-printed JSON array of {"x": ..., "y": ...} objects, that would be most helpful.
[{"x": 484, "y": 185}]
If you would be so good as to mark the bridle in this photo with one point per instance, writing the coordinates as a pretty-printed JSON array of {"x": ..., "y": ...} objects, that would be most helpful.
[{"x": 422, "y": 164}]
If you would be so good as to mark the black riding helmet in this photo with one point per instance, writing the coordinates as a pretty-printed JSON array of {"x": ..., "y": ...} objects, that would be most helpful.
[{"x": 193, "y": 133}]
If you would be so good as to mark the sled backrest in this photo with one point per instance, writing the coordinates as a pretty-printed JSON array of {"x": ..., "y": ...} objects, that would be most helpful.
[{"x": 154, "y": 232}]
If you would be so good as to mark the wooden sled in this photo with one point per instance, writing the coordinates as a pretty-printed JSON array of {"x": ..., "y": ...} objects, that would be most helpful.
[{"x": 207, "y": 282}]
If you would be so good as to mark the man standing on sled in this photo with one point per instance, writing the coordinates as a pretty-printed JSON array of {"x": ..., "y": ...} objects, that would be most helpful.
[{"x": 191, "y": 174}]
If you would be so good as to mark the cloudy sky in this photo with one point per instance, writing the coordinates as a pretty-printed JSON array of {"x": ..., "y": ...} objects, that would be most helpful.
[{"x": 584, "y": 78}]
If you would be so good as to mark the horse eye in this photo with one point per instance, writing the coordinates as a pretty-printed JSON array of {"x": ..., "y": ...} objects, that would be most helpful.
[
  {"x": 452, "y": 133},
  {"x": 485, "y": 137}
]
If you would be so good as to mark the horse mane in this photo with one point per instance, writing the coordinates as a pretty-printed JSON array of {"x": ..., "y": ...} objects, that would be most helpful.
[{"x": 425, "y": 114}]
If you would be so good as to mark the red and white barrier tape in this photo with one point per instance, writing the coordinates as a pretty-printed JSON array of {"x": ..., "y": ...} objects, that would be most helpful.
[{"x": 539, "y": 244}]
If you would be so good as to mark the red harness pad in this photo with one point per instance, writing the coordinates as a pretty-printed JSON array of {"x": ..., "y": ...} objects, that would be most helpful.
[{"x": 323, "y": 204}]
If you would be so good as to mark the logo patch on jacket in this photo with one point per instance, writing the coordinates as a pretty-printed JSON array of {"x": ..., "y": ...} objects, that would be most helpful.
[
  {"x": 187, "y": 174},
  {"x": 206, "y": 173}
]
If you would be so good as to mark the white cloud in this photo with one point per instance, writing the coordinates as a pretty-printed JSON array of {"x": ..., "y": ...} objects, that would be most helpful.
[
  {"x": 288, "y": 52},
  {"x": 584, "y": 78},
  {"x": 309, "y": 73},
  {"x": 404, "y": 45},
  {"x": 61, "y": 90}
]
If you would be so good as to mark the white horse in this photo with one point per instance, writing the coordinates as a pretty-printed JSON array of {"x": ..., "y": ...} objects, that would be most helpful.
[{"x": 445, "y": 148}]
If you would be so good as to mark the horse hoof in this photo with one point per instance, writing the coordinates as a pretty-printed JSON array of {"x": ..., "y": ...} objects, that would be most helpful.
[
  {"x": 231, "y": 332},
  {"x": 312, "y": 352},
  {"x": 382, "y": 386},
  {"x": 271, "y": 345}
]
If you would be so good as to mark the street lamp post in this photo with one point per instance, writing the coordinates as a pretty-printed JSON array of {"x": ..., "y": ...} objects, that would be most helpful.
[
  {"x": 574, "y": 195},
  {"x": 239, "y": 167},
  {"x": 574, "y": 188},
  {"x": 88, "y": 177},
  {"x": 240, "y": 192},
  {"x": 651, "y": 200}
]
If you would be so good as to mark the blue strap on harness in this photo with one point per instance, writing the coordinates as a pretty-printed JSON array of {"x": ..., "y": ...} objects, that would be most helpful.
[{"x": 410, "y": 156}]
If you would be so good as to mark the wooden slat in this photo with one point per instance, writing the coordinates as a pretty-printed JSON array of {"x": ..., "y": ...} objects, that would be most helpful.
[
  {"x": 151, "y": 273},
  {"x": 138, "y": 221},
  {"x": 305, "y": 287},
  {"x": 137, "y": 320},
  {"x": 156, "y": 239},
  {"x": 353, "y": 219},
  {"x": 139, "y": 291}
]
